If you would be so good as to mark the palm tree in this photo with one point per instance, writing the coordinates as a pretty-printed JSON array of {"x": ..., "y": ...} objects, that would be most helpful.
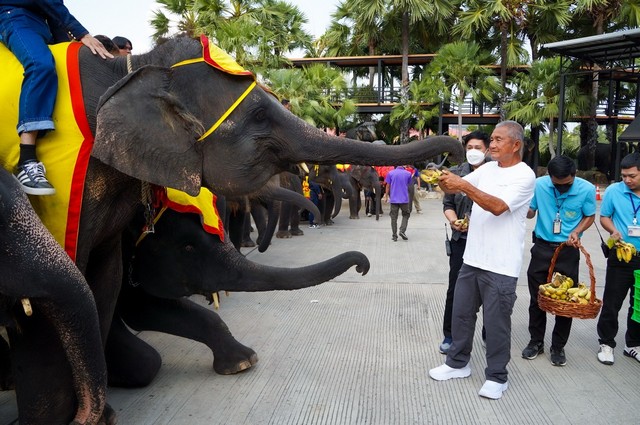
[
  {"x": 537, "y": 99},
  {"x": 500, "y": 18},
  {"x": 459, "y": 66}
]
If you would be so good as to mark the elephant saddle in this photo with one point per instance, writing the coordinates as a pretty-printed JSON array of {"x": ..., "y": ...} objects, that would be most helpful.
[{"x": 65, "y": 151}]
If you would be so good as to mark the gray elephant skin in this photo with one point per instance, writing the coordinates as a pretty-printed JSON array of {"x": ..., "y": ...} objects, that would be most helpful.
[
  {"x": 178, "y": 260},
  {"x": 34, "y": 266},
  {"x": 147, "y": 125}
]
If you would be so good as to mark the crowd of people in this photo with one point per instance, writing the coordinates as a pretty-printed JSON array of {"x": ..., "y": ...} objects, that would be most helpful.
[{"x": 486, "y": 257}]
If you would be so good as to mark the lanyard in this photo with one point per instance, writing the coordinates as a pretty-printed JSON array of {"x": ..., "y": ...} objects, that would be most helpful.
[
  {"x": 559, "y": 204},
  {"x": 635, "y": 210}
]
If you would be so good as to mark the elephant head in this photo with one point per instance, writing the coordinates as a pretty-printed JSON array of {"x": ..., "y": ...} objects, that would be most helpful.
[
  {"x": 63, "y": 321},
  {"x": 193, "y": 125}
]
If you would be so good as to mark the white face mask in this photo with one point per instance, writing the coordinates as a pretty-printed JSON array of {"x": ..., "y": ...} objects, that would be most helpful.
[{"x": 475, "y": 156}]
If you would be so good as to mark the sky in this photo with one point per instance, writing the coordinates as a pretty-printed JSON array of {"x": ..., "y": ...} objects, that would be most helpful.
[{"x": 130, "y": 18}]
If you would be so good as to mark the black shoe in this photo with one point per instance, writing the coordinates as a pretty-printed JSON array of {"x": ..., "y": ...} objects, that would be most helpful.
[
  {"x": 557, "y": 357},
  {"x": 31, "y": 176},
  {"x": 394, "y": 238},
  {"x": 403, "y": 236},
  {"x": 532, "y": 350}
]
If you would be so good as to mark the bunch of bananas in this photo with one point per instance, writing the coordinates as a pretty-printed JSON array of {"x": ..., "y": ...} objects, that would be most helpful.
[
  {"x": 624, "y": 250},
  {"x": 561, "y": 288},
  {"x": 430, "y": 175},
  {"x": 463, "y": 223}
]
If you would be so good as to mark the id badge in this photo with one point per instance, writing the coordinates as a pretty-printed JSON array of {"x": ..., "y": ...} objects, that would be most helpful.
[
  {"x": 557, "y": 226},
  {"x": 633, "y": 231}
]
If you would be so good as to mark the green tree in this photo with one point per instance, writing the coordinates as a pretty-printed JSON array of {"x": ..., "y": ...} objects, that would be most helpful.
[
  {"x": 537, "y": 99},
  {"x": 460, "y": 67},
  {"x": 497, "y": 18}
]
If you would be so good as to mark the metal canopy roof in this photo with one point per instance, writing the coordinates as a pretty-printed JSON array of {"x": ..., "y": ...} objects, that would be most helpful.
[
  {"x": 602, "y": 49},
  {"x": 632, "y": 132}
]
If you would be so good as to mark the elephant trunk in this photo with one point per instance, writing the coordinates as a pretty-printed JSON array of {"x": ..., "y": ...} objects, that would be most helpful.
[
  {"x": 257, "y": 277},
  {"x": 323, "y": 148},
  {"x": 337, "y": 195},
  {"x": 273, "y": 208}
]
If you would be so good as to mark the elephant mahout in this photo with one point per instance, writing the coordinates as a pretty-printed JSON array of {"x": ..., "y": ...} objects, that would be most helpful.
[
  {"x": 181, "y": 259},
  {"x": 181, "y": 118},
  {"x": 35, "y": 267}
]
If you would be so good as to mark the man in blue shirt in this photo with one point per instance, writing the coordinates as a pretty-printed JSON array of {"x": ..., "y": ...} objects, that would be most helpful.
[
  {"x": 397, "y": 193},
  {"x": 566, "y": 207},
  {"x": 619, "y": 217}
]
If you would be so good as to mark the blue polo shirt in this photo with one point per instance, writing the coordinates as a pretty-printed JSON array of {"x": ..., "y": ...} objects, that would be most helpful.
[
  {"x": 619, "y": 203},
  {"x": 578, "y": 202}
]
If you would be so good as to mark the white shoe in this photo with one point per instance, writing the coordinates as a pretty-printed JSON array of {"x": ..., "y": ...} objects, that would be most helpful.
[
  {"x": 633, "y": 352},
  {"x": 493, "y": 389},
  {"x": 445, "y": 372},
  {"x": 605, "y": 355}
]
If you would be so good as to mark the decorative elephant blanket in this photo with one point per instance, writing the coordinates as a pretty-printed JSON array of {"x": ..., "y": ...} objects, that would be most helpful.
[
  {"x": 64, "y": 151},
  {"x": 204, "y": 205}
]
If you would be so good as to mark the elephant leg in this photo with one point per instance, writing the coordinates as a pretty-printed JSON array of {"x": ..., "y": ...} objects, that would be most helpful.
[
  {"x": 131, "y": 362},
  {"x": 246, "y": 232},
  {"x": 330, "y": 201},
  {"x": 259, "y": 214},
  {"x": 182, "y": 317},
  {"x": 283, "y": 224},
  {"x": 6, "y": 377},
  {"x": 295, "y": 222}
]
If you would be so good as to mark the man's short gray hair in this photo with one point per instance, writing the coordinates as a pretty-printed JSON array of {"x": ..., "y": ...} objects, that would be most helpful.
[{"x": 515, "y": 131}]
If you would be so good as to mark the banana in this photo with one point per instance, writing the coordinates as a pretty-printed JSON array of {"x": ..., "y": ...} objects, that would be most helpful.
[
  {"x": 430, "y": 176},
  {"x": 572, "y": 291},
  {"x": 581, "y": 293}
]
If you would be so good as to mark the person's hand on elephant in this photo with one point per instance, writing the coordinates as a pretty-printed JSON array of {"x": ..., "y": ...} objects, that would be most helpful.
[{"x": 95, "y": 46}]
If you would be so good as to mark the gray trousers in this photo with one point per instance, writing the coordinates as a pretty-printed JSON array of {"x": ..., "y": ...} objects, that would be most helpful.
[
  {"x": 393, "y": 214},
  {"x": 497, "y": 294}
]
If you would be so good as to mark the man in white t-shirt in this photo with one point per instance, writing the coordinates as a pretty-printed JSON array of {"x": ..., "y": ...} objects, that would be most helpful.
[{"x": 501, "y": 191}]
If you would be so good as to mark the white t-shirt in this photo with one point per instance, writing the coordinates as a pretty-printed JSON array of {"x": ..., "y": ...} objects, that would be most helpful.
[{"x": 496, "y": 243}]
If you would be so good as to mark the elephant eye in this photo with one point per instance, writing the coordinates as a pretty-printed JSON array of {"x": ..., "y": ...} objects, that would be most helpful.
[
  {"x": 189, "y": 248},
  {"x": 261, "y": 114}
]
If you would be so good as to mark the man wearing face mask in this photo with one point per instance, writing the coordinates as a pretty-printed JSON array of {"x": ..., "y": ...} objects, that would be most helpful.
[
  {"x": 566, "y": 207},
  {"x": 456, "y": 206}
]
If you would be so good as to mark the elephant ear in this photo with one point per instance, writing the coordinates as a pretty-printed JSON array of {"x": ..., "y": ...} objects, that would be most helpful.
[{"x": 143, "y": 130}]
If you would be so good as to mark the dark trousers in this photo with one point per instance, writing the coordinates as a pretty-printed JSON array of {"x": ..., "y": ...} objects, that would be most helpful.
[
  {"x": 567, "y": 263},
  {"x": 393, "y": 213},
  {"x": 618, "y": 282},
  {"x": 455, "y": 262}
]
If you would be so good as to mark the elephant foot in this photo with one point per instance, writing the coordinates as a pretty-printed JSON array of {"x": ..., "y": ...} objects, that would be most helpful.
[
  {"x": 236, "y": 361},
  {"x": 283, "y": 234},
  {"x": 329, "y": 222},
  {"x": 354, "y": 217},
  {"x": 248, "y": 244},
  {"x": 296, "y": 232}
]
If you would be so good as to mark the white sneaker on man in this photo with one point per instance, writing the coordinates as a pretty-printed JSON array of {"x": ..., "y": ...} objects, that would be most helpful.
[
  {"x": 493, "y": 389},
  {"x": 605, "y": 355},
  {"x": 445, "y": 372}
]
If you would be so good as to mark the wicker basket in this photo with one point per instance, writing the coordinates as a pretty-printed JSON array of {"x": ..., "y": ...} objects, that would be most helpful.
[{"x": 569, "y": 309}]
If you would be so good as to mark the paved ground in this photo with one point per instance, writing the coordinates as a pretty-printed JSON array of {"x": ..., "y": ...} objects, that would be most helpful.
[{"x": 356, "y": 350}]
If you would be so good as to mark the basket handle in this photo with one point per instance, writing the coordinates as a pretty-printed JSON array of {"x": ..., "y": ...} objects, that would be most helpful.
[{"x": 587, "y": 257}]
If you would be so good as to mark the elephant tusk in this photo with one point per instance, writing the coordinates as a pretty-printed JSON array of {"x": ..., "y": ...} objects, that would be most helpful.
[
  {"x": 26, "y": 305},
  {"x": 304, "y": 167},
  {"x": 216, "y": 301},
  {"x": 226, "y": 293}
]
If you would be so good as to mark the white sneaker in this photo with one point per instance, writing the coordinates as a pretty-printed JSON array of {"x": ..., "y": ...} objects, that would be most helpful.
[
  {"x": 493, "y": 389},
  {"x": 445, "y": 372},
  {"x": 605, "y": 355},
  {"x": 633, "y": 352}
]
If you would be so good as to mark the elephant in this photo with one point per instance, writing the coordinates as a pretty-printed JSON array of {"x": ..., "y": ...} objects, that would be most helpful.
[
  {"x": 365, "y": 131},
  {"x": 36, "y": 268},
  {"x": 178, "y": 260},
  {"x": 603, "y": 160},
  {"x": 363, "y": 177},
  {"x": 289, "y": 222},
  {"x": 171, "y": 117},
  {"x": 335, "y": 185}
]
